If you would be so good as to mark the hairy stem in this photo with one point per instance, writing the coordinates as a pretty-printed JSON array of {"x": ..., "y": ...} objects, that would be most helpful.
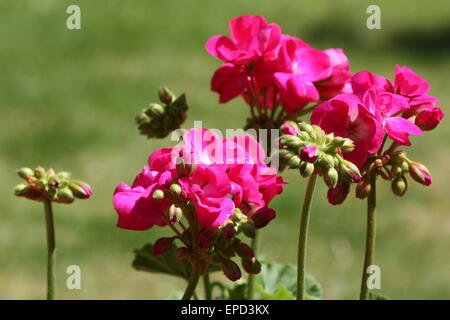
[
  {"x": 51, "y": 249},
  {"x": 303, "y": 235},
  {"x": 370, "y": 237}
]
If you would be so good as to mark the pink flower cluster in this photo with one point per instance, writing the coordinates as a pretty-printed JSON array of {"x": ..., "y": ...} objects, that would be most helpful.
[
  {"x": 216, "y": 176},
  {"x": 378, "y": 108},
  {"x": 268, "y": 68}
]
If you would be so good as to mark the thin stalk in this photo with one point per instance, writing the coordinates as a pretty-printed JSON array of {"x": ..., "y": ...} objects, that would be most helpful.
[
  {"x": 51, "y": 250},
  {"x": 304, "y": 223},
  {"x": 251, "y": 277},
  {"x": 207, "y": 286},
  {"x": 195, "y": 273},
  {"x": 370, "y": 237}
]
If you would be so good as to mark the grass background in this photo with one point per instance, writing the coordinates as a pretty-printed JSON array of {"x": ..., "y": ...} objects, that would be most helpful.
[{"x": 68, "y": 98}]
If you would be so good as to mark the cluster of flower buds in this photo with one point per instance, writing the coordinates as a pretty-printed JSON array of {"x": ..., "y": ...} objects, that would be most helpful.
[
  {"x": 218, "y": 245},
  {"x": 47, "y": 184},
  {"x": 159, "y": 120},
  {"x": 394, "y": 167},
  {"x": 312, "y": 151}
]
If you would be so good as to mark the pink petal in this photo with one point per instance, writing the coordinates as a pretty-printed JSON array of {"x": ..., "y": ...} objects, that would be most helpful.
[
  {"x": 409, "y": 83},
  {"x": 229, "y": 81},
  {"x": 398, "y": 129}
]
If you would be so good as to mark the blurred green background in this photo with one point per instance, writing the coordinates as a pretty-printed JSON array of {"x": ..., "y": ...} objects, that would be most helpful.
[{"x": 68, "y": 98}]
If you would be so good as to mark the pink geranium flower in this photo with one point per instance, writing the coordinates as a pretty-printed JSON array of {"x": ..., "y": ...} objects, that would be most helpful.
[
  {"x": 252, "y": 38},
  {"x": 347, "y": 117}
]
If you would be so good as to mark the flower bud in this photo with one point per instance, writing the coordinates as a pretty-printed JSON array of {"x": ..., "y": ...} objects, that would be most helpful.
[
  {"x": 65, "y": 195},
  {"x": 174, "y": 213},
  {"x": 80, "y": 189},
  {"x": 64, "y": 175},
  {"x": 165, "y": 95},
  {"x": 294, "y": 162},
  {"x": 420, "y": 173},
  {"x": 289, "y": 127},
  {"x": 308, "y": 129},
  {"x": 363, "y": 189},
  {"x": 290, "y": 141},
  {"x": 40, "y": 173},
  {"x": 21, "y": 190},
  {"x": 175, "y": 188},
  {"x": 331, "y": 177},
  {"x": 229, "y": 230},
  {"x": 347, "y": 146},
  {"x": 243, "y": 250},
  {"x": 309, "y": 153},
  {"x": 399, "y": 186},
  {"x": 25, "y": 173},
  {"x": 262, "y": 216},
  {"x": 231, "y": 270},
  {"x": 252, "y": 265},
  {"x": 162, "y": 245},
  {"x": 350, "y": 170},
  {"x": 248, "y": 228},
  {"x": 158, "y": 194},
  {"x": 429, "y": 118},
  {"x": 155, "y": 110},
  {"x": 338, "y": 194},
  {"x": 306, "y": 169},
  {"x": 327, "y": 161}
]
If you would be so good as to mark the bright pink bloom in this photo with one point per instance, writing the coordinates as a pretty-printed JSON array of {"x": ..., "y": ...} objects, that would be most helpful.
[
  {"x": 387, "y": 107},
  {"x": 309, "y": 153},
  {"x": 252, "y": 38},
  {"x": 408, "y": 83},
  {"x": 364, "y": 80},
  {"x": 135, "y": 205},
  {"x": 345, "y": 116},
  {"x": 229, "y": 81},
  {"x": 339, "y": 80}
]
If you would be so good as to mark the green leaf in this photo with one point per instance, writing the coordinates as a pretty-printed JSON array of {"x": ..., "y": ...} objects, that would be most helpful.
[
  {"x": 167, "y": 263},
  {"x": 279, "y": 282},
  {"x": 377, "y": 296}
]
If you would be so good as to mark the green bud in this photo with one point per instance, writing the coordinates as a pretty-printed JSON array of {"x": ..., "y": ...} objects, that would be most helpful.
[
  {"x": 174, "y": 213},
  {"x": 363, "y": 189},
  {"x": 165, "y": 95},
  {"x": 347, "y": 146},
  {"x": 65, "y": 195},
  {"x": 304, "y": 136},
  {"x": 158, "y": 194},
  {"x": 40, "y": 173},
  {"x": 64, "y": 175},
  {"x": 290, "y": 141},
  {"x": 155, "y": 110},
  {"x": 294, "y": 162},
  {"x": 21, "y": 190},
  {"x": 327, "y": 161},
  {"x": 25, "y": 173},
  {"x": 175, "y": 189},
  {"x": 331, "y": 177},
  {"x": 306, "y": 169},
  {"x": 399, "y": 186}
]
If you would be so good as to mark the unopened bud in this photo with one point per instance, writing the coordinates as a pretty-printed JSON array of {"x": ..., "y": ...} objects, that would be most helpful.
[
  {"x": 158, "y": 194},
  {"x": 208, "y": 237},
  {"x": 229, "y": 230},
  {"x": 175, "y": 189},
  {"x": 347, "y": 146},
  {"x": 40, "y": 173},
  {"x": 331, "y": 177},
  {"x": 291, "y": 141},
  {"x": 25, "y": 173},
  {"x": 294, "y": 162},
  {"x": 231, "y": 270},
  {"x": 65, "y": 195},
  {"x": 21, "y": 190},
  {"x": 162, "y": 245},
  {"x": 243, "y": 250},
  {"x": 306, "y": 169},
  {"x": 363, "y": 189},
  {"x": 165, "y": 95},
  {"x": 399, "y": 186},
  {"x": 420, "y": 173},
  {"x": 155, "y": 110},
  {"x": 262, "y": 216},
  {"x": 248, "y": 228},
  {"x": 80, "y": 189},
  {"x": 174, "y": 213},
  {"x": 252, "y": 265}
]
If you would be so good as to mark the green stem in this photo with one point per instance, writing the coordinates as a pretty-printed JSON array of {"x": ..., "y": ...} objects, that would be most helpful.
[
  {"x": 370, "y": 236},
  {"x": 251, "y": 277},
  {"x": 51, "y": 250},
  {"x": 192, "y": 283},
  {"x": 207, "y": 286},
  {"x": 304, "y": 222}
]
